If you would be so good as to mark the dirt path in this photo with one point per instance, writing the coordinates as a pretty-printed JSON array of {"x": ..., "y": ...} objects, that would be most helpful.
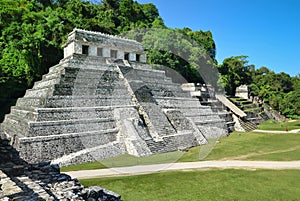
[
  {"x": 241, "y": 157},
  {"x": 277, "y": 132},
  {"x": 188, "y": 166}
]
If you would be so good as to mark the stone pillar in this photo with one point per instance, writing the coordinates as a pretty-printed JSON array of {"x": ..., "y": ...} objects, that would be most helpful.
[
  {"x": 120, "y": 54},
  {"x": 242, "y": 91},
  {"x": 92, "y": 51},
  {"x": 143, "y": 58},
  {"x": 106, "y": 52},
  {"x": 132, "y": 56},
  {"x": 78, "y": 48},
  {"x": 69, "y": 50}
]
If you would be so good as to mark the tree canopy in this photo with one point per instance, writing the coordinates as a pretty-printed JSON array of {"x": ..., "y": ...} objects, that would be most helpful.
[
  {"x": 33, "y": 32},
  {"x": 280, "y": 90},
  {"x": 235, "y": 71}
]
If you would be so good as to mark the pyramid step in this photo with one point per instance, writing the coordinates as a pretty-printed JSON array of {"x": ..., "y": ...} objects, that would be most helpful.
[
  {"x": 100, "y": 71},
  {"x": 170, "y": 93},
  {"x": 158, "y": 80},
  {"x": 86, "y": 65},
  {"x": 64, "y": 144},
  {"x": 45, "y": 128},
  {"x": 151, "y": 73},
  {"x": 87, "y": 101},
  {"x": 191, "y": 112},
  {"x": 88, "y": 90},
  {"x": 45, "y": 83},
  {"x": 14, "y": 124},
  {"x": 214, "y": 122},
  {"x": 179, "y": 99},
  {"x": 87, "y": 138},
  {"x": 24, "y": 113},
  {"x": 96, "y": 153},
  {"x": 71, "y": 82},
  {"x": 30, "y": 102},
  {"x": 100, "y": 75},
  {"x": 51, "y": 114},
  {"x": 203, "y": 117},
  {"x": 58, "y": 67},
  {"x": 13, "y": 133},
  {"x": 41, "y": 92},
  {"x": 53, "y": 75},
  {"x": 139, "y": 72},
  {"x": 162, "y": 85},
  {"x": 142, "y": 66},
  {"x": 171, "y": 102},
  {"x": 148, "y": 79}
]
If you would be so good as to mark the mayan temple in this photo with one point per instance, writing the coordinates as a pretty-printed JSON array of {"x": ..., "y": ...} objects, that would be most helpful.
[{"x": 104, "y": 100}]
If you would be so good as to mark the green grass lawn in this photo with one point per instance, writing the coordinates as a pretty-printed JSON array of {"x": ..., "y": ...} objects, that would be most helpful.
[
  {"x": 280, "y": 126},
  {"x": 239, "y": 145},
  {"x": 219, "y": 185},
  {"x": 282, "y": 156},
  {"x": 213, "y": 184}
]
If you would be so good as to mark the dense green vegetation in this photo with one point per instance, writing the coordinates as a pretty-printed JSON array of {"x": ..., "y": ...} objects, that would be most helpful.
[
  {"x": 235, "y": 71},
  {"x": 33, "y": 32},
  {"x": 205, "y": 185},
  {"x": 279, "y": 90}
]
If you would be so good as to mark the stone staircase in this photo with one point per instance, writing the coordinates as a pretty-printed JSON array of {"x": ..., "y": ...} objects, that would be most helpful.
[
  {"x": 254, "y": 112},
  {"x": 236, "y": 110},
  {"x": 165, "y": 95},
  {"x": 247, "y": 126},
  {"x": 207, "y": 97},
  {"x": 147, "y": 84}
]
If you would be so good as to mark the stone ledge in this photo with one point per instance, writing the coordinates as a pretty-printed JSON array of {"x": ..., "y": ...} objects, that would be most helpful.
[{"x": 66, "y": 136}]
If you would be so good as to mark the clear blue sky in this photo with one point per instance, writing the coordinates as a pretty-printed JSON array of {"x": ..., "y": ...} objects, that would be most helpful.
[{"x": 268, "y": 31}]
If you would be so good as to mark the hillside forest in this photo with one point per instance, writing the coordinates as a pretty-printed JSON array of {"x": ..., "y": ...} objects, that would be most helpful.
[{"x": 33, "y": 32}]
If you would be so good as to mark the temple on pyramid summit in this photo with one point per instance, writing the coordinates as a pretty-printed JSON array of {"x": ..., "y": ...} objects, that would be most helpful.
[{"x": 103, "y": 100}]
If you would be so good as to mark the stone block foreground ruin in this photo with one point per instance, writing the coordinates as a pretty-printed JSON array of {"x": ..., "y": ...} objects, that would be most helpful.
[{"x": 104, "y": 100}]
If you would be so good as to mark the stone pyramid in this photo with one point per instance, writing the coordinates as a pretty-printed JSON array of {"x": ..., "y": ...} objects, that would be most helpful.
[{"x": 104, "y": 100}]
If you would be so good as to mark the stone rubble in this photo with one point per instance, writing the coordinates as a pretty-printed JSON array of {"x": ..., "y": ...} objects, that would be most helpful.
[{"x": 21, "y": 181}]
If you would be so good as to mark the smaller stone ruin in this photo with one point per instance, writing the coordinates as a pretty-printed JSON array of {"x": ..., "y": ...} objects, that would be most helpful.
[{"x": 242, "y": 92}]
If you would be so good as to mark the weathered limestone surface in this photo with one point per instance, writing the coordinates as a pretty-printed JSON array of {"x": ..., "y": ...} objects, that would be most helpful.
[
  {"x": 91, "y": 107},
  {"x": 242, "y": 92},
  {"x": 22, "y": 181}
]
